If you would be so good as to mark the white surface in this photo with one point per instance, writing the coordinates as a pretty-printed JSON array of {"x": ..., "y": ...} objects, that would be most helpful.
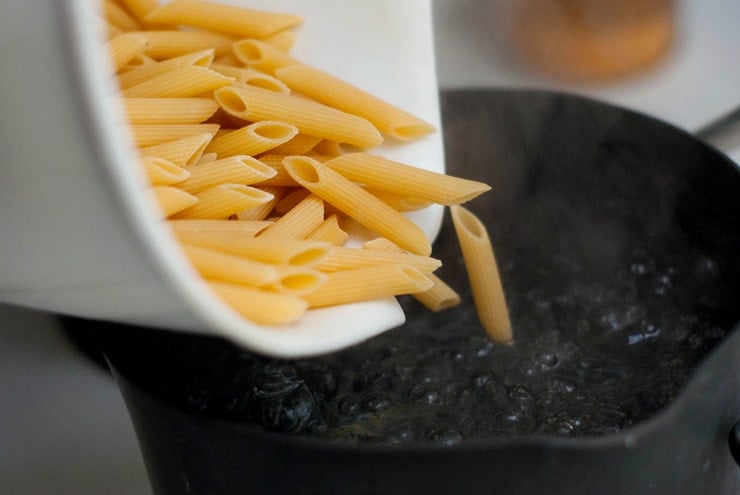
[
  {"x": 697, "y": 83},
  {"x": 113, "y": 259},
  {"x": 63, "y": 426}
]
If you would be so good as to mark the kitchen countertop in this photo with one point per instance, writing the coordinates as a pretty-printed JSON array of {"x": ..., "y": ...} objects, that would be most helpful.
[{"x": 63, "y": 424}]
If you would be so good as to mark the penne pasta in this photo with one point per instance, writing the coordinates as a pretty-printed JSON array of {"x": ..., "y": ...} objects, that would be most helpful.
[
  {"x": 169, "y": 44},
  {"x": 221, "y": 201},
  {"x": 283, "y": 40},
  {"x": 168, "y": 110},
  {"x": 305, "y": 217},
  {"x": 146, "y": 72},
  {"x": 251, "y": 77},
  {"x": 185, "y": 151},
  {"x": 365, "y": 284},
  {"x": 152, "y": 134},
  {"x": 327, "y": 148},
  {"x": 236, "y": 227},
  {"x": 299, "y": 145},
  {"x": 297, "y": 280},
  {"x": 439, "y": 297},
  {"x": 482, "y": 269},
  {"x": 172, "y": 200},
  {"x": 234, "y": 170},
  {"x": 217, "y": 265},
  {"x": 119, "y": 17},
  {"x": 124, "y": 48},
  {"x": 344, "y": 258},
  {"x": 329, "y": 231},
  {"x": 279, "y": 251},
  {"x": 266, "y": 308},
  {"x": 358, "y": 204},
  {"x": 162, "y": 172},
  {"x": 314, "y": 119},
  {"x": 179, "y": 83},
  {"x": 399, "y": 202},
  {"x": 405, "y": 180},
  {"x": 140, "y": 8},
  {"x": 234, "y": 20},
  {"x": 262, "y": 56},
  {"x": 334, "y": 92},
  {"x": 253, "y": 139}
]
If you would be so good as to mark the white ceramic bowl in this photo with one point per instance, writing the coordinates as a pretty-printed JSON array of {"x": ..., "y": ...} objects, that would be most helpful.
[{"x": 78, "y": 234}]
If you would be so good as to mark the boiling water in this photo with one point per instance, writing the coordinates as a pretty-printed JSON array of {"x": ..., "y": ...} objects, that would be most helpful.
[{"x": 590, "y": 357}]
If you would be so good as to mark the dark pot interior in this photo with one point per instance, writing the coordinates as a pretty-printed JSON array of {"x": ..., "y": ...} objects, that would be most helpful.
[{"x": 617, "y": 238}]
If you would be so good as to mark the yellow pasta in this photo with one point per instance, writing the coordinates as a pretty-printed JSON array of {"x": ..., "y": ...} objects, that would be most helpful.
[
  {"x": 480, "y": 263},
  {"x": 298, "y": 222},
  {"x": 263, "y": 211},
  {"x": 152, "y": 134},
  {"x": 235, "y": 227},
  {"x": 124, "y": 47},
  {"x": 172, "y": 200},
  {"x": 405, "y": 180},
  {"x": 251, "y": 77},
  {"x": 370, "y": 283},
  {"x": 169, "y": 44},
  {"x": 310, "y": 118},
  {"x": 179, "y": 83},
  {"x": 299, "y": 145},
  {"x": 237, "y": 21},
  {"x": 279, "y": 251},
  {"x": 326, "y": 148},
  {"x": 133, "y": 77},
  {"x": 253, "y": 139},
  {"x": 297, "y": 280},
  {"x": 117, "y": 15},
  {"x": 399, "y": 202},
  {"x": 332, "y": 91},
  {"x": 358, "y": 204},
  {"x": 266, "y": 308},
  {"x": 232, "y": 170},
  {"x": 162, "y": 172},
  {"x": 262, "y": 56},
  {"x": 224, "y": 200},
  {"x": 283, "y": 40},
  {"x": 168, "y": 110},
  {"x": 329, "y": 231},
  {"x": 185, "y": 151},
  {"x": 344, "y": 258},
  {"x": 440, "y": 297},
  {"x": 140, "y": 8},
  {"x": 216, "y": 265}
]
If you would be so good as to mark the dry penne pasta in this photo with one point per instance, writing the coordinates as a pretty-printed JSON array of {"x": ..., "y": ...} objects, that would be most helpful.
[
  {"x": 439, "y": 297},
  {"x": 168, "y": 110},
  {"x": 234, "y": 20},
  {"x": 329, "y": 231},
  {"x": 236, "y": 227},
  {"x": 224, "y": 200},
  {"x": 119, "y": 17},
  {"x": 399, "y": 202},
  {"x": 217, "y": 265},
  {"x": 262, "y": 56},
  {"x": 124, "y": 47},
  {"x": 179, "y": 83},
  {"x": 169, "y": 44},
  {"x": 152, "y": 134},
  {"x": 299, "y": 145},
  {"x": 405, "y": 180},
  {"x": 298, "y": 222},
  {"x": 162, "y": 172},
  {"x": 251, "y": 77},
  {"x": 172, "y": 200},
  {"x": 262, "y": 211},
  {"x": 310, "y": 118},
  {"x": 279, "y": 251},
  {"x": 365, "y": 284},
  {"x": 358, "y": 204},
  {"x": 283, "y": 40},
  {"x": 234, "y": 170},
  {"x": 298, "y": 280},
  {"x": 266, "y": 308},
  {"x": 253, "y": 139},
  {"x": 332, "y": 91},
  {"x": 133, "y": 77},
  {"x": 482, "y": 269},
  {"x": 344, "y": 258},
  {"x": 185, "y": 151},
  {"x": 140, "y": 8}
]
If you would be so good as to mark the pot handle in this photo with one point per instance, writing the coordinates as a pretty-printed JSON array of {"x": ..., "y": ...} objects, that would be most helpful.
[{"x": 735, "y": 442}]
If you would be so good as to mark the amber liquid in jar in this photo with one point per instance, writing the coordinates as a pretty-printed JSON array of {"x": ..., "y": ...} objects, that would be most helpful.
[{"x": 592, "y": 39}]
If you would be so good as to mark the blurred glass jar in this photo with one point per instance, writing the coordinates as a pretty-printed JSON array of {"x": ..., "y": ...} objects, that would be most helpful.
[{"x": 590, "y": 39}]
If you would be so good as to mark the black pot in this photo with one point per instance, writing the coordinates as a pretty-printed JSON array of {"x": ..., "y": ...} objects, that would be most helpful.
[{"x": 614, "y": 167}]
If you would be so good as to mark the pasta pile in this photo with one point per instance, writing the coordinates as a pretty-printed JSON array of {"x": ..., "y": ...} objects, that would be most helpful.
[{"x": 244, "y": 147}]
